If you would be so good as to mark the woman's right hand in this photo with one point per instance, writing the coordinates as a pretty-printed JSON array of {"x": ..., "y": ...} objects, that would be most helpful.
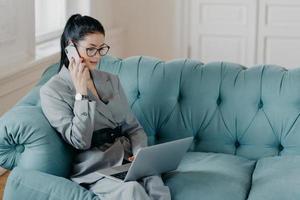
[
  {"x": 131, "y": 158},
  {"x": 80, "y": 75}
]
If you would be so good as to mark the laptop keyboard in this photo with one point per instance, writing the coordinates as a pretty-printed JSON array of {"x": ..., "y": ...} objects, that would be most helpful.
[{"x": 120, "y": 175}]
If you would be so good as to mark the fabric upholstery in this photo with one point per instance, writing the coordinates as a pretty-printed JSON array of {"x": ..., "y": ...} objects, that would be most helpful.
[
  {"x": 211, "y": 176},
  {"x": 276, "y": 178},
  {"x": 32, "y": 184},
  {"x": 27, "y": 140},
  {"x": 228, "y": 108}
]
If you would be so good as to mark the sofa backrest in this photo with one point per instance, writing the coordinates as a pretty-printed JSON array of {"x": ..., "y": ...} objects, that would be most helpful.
[{"x": 228, "y": 108}]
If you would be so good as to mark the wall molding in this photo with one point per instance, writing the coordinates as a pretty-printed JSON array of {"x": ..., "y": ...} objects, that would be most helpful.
[
  {"x": 182, "y": 29},
  {"x": 25, "y": 75}
]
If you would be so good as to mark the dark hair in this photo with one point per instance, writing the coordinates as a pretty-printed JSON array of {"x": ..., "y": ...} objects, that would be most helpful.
[{"x": 76, "y": 28}]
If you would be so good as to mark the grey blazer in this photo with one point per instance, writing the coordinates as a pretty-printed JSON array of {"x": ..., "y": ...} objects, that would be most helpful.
[{"x": 77, "y": 121}]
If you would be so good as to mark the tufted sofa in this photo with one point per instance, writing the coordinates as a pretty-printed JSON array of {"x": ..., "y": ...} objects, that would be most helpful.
[{"x": 245, "y": 124}]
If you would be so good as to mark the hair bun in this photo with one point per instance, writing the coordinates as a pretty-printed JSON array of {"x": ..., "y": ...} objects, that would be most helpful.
[{"x": 75, "y": 17}]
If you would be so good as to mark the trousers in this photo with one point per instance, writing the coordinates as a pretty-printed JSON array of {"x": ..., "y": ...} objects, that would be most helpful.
[{"x": 148, "y": 188}]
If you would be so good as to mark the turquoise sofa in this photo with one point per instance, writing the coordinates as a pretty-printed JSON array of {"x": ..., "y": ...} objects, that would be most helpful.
[{"x": 245, "y": 124}]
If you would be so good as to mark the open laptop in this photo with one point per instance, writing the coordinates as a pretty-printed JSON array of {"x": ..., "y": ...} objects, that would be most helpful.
[{"x": 151, "y": 160}]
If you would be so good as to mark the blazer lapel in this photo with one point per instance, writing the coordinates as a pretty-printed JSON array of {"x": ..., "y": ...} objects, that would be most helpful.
[{"x": 105, "y": 92}]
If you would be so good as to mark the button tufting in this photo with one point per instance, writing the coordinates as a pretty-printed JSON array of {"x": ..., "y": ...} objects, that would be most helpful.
[
  {"x": 138, "y": 95},
  {"x": 20, "y": 148},
  {"x": 196, "y": 139},
  {"x": 219, "y": 101},
  {"x": 179, "y": 97},
  {"x": 260, "y": 104},
  {"x": 280, "y": 148},
  {"x": 236, "y": 144},
  {"x": 157, "y": 136}
]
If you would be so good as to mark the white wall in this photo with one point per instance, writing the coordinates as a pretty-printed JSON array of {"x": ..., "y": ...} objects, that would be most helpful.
[
  {"x": 148, "y": 27},
  {"x": 20, "y": 68},
  {"x": 134, "y": 27},
  {"x": 16, "y": 28}
]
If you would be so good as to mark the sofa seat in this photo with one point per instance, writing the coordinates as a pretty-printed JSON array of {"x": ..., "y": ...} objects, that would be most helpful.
[
  {"x": 211, "y": 176},
  {"x": 276, "y": 178}
]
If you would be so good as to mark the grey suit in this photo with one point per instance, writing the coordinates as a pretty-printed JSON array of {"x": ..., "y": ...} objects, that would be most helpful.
[{"x": 77, "y": 121}]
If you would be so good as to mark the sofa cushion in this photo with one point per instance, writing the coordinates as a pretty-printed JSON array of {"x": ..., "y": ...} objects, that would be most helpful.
[
  {"x": 211, "y": 176},
  {"x": 31, "y": 184},
  {"x": 276, "y": 178},
  {"x": 27, "y": 140}
]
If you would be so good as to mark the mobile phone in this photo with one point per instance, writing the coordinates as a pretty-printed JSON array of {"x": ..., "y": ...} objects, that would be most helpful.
[{"x": 72, "y": 52}]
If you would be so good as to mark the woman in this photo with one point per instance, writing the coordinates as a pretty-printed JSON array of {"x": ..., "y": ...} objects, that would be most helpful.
[{"x": 86, "y": 106}]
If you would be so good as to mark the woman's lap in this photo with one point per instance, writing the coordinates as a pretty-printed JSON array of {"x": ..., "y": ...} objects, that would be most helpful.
[{"x": 107, "y": 188}]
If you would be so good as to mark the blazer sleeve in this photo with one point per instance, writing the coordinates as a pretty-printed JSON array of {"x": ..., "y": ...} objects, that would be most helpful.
[
  {"x": 76, "y": 125},
  {"x": 132, "y": 127}
]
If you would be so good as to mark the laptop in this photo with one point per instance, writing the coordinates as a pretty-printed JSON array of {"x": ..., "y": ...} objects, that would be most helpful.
[{"x": 151, "y": 160}]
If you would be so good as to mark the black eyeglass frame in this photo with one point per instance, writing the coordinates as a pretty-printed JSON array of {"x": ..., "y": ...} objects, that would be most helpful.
[{"x": 98, "y": 50}]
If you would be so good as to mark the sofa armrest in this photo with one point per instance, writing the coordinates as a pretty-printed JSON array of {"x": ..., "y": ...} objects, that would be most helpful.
[
  {"x": 27, "y": 140},
  {"x": 35, "y": 185}
]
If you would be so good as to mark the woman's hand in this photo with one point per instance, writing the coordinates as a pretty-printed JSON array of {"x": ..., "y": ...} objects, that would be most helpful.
[
  {"x": 80, "y": 75},
  {"x": 131, "y": 158}
]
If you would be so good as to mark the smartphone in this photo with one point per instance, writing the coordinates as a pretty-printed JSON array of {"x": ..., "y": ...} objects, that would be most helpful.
[{"x": 72, "y": 52}]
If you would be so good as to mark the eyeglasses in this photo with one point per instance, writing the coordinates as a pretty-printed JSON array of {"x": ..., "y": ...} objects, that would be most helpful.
[{"x": 93, "y": 51}]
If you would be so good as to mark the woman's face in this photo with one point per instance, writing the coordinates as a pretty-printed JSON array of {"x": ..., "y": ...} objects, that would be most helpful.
[{"x": 87, "y": 48}]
